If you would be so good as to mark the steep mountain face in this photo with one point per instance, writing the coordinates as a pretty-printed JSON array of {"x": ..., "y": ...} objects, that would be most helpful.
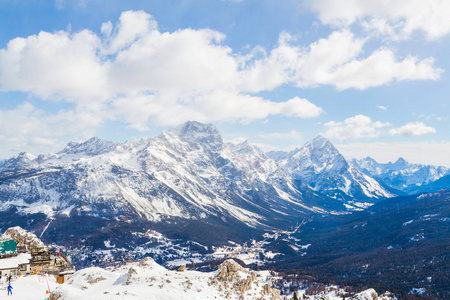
[
  {"x": 320, "y": 165},
  {"x": 401, "y": 174},
  {"x": 187, "y": 174}
]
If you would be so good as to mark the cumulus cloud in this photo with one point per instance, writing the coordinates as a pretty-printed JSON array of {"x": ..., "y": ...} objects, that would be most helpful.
[
  {"x": 359, "y": 126},
  {"x": 336, "y": 60},
  {"x": 412, "y": 129},
  {"x": 55, "y": 66},
  {"x": 135, "y": 73},
  {"x": 397, "y": 19},
  {"x": 31, "y": 129}
]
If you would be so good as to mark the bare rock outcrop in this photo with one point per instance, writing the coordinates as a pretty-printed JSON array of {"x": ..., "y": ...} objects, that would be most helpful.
[{"x": 232, "y": 278}]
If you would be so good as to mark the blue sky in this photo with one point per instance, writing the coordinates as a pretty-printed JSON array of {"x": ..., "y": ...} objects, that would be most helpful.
[{"x": 372, "y": 77}]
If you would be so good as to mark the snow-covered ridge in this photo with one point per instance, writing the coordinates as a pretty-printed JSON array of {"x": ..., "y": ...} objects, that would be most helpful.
[
  {"x": 140, "y": 280},
  {"x": 91, "y": 147},
  {"x": 188, "y": 172},
  {"x": 324, "y": 169},
  {"x": 401, "y": 174}
]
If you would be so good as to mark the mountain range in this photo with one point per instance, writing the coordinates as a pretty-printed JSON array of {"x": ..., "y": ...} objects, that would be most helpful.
[
  {"x": 404, "y": 176},
  {"x": 189, "y": 184}
]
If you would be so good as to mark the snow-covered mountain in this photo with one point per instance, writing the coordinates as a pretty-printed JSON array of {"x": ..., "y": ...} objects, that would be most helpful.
[
  {"x": 320, "y": 165},
  {"x": 187, "y": 174},
  {"x": 401, "y": 174}
]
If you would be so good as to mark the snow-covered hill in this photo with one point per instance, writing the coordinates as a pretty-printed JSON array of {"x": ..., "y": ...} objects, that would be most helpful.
[
  {"x": 148, "y": 280},
  {"x": 401, "y": 174},
  {"x": 319, "y": 164}
]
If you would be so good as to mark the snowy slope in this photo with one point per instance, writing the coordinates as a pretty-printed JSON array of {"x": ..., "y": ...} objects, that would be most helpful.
[
  {"x": 148, "y": 280},
  {"x": 401, "y": 174},
  {"x": 319, "y": 164}
]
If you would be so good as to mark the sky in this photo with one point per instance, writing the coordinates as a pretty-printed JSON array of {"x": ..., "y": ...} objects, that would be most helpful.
[{"x": 372, "y": 76}]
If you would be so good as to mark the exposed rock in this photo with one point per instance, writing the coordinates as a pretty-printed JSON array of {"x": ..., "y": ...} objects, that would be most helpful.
[
  {"x": 22, "y": 237},
  {"x": 182, "y": 268},
  {"x": 93, "y": 280},
  {"x": 146, "y": 262},
  {"x": 233, "y": 278},
  {"x": 55, "y": 295}
]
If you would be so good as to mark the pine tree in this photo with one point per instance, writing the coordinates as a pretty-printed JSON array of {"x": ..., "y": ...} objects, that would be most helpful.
[{"x": 295, "y": 296}]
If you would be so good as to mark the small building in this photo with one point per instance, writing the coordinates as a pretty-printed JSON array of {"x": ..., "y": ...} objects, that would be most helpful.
[
  {"x": 64, "y": 275},
  {"x": 40, "y": 258},
  {"x": 15, "y": 265}
]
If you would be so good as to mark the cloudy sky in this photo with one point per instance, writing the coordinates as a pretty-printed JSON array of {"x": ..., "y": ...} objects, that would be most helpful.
[{"x": 372, "y": 76}]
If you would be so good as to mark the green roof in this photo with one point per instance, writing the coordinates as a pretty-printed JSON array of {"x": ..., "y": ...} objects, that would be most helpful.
[{"x": 8, "y": 247}]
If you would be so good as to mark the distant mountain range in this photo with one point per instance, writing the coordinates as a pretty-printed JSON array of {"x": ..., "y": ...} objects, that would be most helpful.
[
  {"x": 406, "y": 177},
  {"x": 320, "y": 165}
]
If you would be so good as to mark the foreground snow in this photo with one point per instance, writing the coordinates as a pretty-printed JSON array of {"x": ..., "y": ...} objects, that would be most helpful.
[
  {"x": 32, "y": 287},
  {"x": 148, "y": 280}
]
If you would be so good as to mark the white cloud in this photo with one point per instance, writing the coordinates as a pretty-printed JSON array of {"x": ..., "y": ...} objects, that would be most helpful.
[
  {"x": 336, "y": 60},
  {"x": 359, "y": 126},
  {"x": 135, "y": 73},
  {"x": 166, "y": 109},
  {"x": 291, "y": 135},
  {"x": 435, "y": 153},
  {"x": 381, "y": 107},
  {"x": 412, "y": 129},
  {"x": 142, "y": 75},
  {"x": 27, "y": 128},
  {"x": 134, "y": 57},
  {"x": 393, "y": 18},
  {"x": 55, "y": 66}
]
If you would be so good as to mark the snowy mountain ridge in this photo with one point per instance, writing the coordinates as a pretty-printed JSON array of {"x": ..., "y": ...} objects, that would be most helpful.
[
  {"x": 319, "y": 164},
  {"x": 187, "y": 172},
  {"x": 184, "y": 183},
  {"x": 401, "y": 174}
]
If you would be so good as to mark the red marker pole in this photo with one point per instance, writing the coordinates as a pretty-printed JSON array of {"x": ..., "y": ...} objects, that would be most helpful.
[{"x": 48, "y": 284}]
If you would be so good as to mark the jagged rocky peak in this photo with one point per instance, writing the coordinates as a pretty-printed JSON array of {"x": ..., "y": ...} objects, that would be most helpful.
[
  {"x": 20, "y": 160},
  {"x": 91, "y": 147},
  {"x": 321, "y": 143},
  {"x": 195, "y": 132},
  {"x": 401, "y": 163},
  {"x": 321, "y": 153},
  {"x": 246, "y": 148},
  {"x": 368, "y": 166}
]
